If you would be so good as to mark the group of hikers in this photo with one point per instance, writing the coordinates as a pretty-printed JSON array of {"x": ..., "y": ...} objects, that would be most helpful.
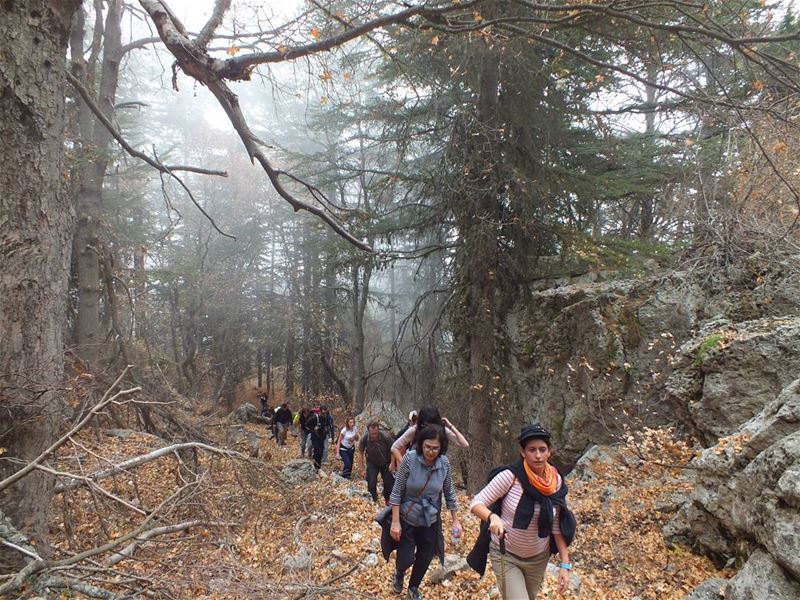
[{"x": 522, "y": 508}]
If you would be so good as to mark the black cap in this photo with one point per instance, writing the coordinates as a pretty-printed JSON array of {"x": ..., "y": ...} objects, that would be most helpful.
[{"x": 533, "y": 432}]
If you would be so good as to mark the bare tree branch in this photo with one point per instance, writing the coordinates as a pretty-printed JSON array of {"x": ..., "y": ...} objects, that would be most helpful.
[{"x": 104, "y": 401}]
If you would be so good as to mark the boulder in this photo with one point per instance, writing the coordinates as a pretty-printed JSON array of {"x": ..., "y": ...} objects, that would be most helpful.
[
  {"x": 745, "y": 502},
  {"x": 710, "y": 589},
  {"x": 299, "y": 470},
  {"x": 763, "y": 579},
  {"x": 246, "y": 441},
  {"x": 246, "y": 413},
  {"x": 453, "y": 563}
]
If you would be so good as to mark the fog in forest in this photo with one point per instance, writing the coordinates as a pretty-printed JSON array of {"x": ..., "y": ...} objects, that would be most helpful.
[{"x": 559, "y": 213}]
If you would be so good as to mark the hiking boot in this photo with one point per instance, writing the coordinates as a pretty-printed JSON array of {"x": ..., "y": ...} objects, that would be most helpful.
[
  {"x": 397, "y": 582},
  {"x": 413, "y": 594}
]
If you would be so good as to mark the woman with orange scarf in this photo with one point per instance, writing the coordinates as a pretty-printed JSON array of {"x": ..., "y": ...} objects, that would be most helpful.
[{"x": 525, "y": 521}]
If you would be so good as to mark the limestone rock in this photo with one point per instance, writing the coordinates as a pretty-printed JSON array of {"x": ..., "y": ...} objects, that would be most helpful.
[
  {"x": 763, "y": 579},
  {"x": 453, "y": 563},
  {"x": 711, "y": 589},
  {"x": 299, "y": 470},
  {"x": 744, "y": 494},
  {"x": 246, "y": 413}
]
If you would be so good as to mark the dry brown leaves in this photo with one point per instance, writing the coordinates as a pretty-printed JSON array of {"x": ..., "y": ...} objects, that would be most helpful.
[{"x": 619, "y": 551}]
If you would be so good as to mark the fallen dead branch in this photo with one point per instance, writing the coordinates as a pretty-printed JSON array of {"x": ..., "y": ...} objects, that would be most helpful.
[{"x": 80, "y": 480}]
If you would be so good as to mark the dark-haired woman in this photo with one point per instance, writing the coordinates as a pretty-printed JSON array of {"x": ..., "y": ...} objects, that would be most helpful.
[
  {"x": 416, "y": 501},
  {"x": 427, "y": 415},
  {"x": 532, "y": 496}
]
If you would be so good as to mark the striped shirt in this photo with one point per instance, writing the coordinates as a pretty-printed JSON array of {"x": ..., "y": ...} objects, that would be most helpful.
[
  {"x": 524, "y": 543},
  {"x": 409, "y": 484}
]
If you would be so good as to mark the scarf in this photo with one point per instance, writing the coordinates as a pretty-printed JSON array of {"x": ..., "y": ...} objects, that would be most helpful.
[
  {"x": 531, "y": 495},
  {"x": 547, "y": 483}
]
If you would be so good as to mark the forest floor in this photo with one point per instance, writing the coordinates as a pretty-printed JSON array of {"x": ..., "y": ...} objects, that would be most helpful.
[{"x": 252, "y": 520}]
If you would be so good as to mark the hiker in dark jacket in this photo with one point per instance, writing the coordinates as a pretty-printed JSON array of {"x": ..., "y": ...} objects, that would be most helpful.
[
  {"x": 329, "y": 433},
  {"x": 282, "y": 420},
  {"x": 306, "y": 448},
  {"x": 531, "y": 497},
  {"x": 375, "y": 449}
]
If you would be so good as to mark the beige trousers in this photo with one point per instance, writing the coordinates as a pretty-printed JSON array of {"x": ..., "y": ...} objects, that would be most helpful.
[{"x": 518, "y": 578}]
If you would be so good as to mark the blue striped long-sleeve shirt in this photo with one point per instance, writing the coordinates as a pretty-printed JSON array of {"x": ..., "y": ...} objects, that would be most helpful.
[{"x": 418, "y": 506}]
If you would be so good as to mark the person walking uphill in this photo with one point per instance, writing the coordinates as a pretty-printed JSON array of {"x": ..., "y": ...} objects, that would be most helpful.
[
  {"x": 282, "y": 420},
  {"x": 375, "y": 450},
  {"x": 528, "y": 508},
  {"x": 416, "y": 501},
  {"x": 346, "y": 445}
]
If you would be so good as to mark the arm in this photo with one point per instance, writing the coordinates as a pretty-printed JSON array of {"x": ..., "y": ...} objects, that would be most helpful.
[
  {"x": 563, "y": 554},
  {"x": 398, "y": 491},
  {"x": 482, "y": 511},
  {"x": 450, "y": 494},
  {"x": 495, "y": 490},
  {"x": 459, "y": 439},
  {"x": 339, "y": 442},
  {"x": 399, "y": 448}
]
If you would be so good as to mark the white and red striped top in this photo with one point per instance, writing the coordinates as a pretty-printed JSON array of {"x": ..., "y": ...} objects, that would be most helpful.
[{"x": 524, "y": 543}]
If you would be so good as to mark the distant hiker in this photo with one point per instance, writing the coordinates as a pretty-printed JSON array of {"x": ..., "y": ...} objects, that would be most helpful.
[
  {"x": 528, "y": 500},
  {"x": 416, "y": 501},
  {"x": 330, "y": 433},
  {"x": 346, "y": 446},
  {"x": 412, "y": 420},
  {"x": 305, "y": 433},
  {"x": 269, "y": 415},
  {"x": 375, "y": 449},
  {"x": 282, "y": 420},
  {"x": 264, "y": 399},
  {"x": 427, "y": 416},
  {"x": 317, "y": 433}
]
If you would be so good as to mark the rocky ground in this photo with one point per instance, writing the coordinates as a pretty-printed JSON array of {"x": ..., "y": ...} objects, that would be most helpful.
[{"x": 258, "y": 535}]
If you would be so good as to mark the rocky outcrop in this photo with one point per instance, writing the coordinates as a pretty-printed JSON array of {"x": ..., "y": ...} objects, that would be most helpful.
[
  {"x": 385, "y": 413},
  {"x": 728, "y": 372},
  {"x": 747, "y": 500},
  {"x": 591, "y": 358}
]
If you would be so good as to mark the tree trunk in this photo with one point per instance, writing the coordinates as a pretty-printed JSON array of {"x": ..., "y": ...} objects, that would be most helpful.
[
  {"x": 94, "y": 143},
  {"x": 481, "y": 256},
  {"x": 36, "y": 226}
]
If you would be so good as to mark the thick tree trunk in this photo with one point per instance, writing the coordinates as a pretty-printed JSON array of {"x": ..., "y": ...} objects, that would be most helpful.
[
  {"x": 36, "y": 225},
  {"x": 481, "y": 256}
]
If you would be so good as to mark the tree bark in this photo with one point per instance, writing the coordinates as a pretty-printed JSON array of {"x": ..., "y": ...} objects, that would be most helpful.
[
  {"x": 94, "y": 144},
  {"x": 36, "y": 226},
  {"x": 481, "y": 256}
]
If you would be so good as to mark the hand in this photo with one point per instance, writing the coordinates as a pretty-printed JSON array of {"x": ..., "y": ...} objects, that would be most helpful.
[
  {"x": 563, "y": 581},
  {"x": 395, "y": 531},
  {"x": 393, "y": 466},
  {"x": 446, "y": 423},
  {"x": 496, "y": 525}
]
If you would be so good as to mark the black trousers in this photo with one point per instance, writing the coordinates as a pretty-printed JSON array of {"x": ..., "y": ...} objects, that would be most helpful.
[
  {"x": 417, "y": 547},
  {"x": 372, "y": 480},
  {"x": 318, "y": 445}
]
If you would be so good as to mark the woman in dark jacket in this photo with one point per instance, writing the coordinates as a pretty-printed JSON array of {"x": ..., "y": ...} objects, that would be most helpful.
[{"x": 416, "y": 501}]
